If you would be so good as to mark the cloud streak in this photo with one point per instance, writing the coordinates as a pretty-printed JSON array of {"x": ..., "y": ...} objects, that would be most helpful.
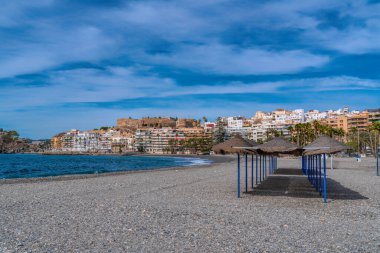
[{"x": 113, "y": 83}]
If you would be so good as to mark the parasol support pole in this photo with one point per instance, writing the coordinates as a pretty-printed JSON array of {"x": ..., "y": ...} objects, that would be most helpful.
[
  {"x": 265, "y": 167},
  {"x": 260, "y": 168},
  {"x": 246, "y": 172},
  {"x": 252, "y": 171},
  {"x": 257, "y": 166},
  {"x": 312, "y": 169},
  {"x": 238, "y": 175},
  {"x": 377, "y": 161},
  {"x": 276, "y": 164},
  {"x": 308, "y": 168},
  {"x": 324, "y": 179},
  {"x": 317, "y": 173},
  {"x": 320, "y": 175}
]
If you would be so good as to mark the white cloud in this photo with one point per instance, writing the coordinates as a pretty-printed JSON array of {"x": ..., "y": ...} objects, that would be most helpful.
[
  {"x": 193, "y": 31},
  {"x": 12, "y": 12},
  {"x": 52, "y": 48},
  {"x": 360, "y": 32},
  {"x": 118, "y": 83},
  {"x": 221, "y": 59}
]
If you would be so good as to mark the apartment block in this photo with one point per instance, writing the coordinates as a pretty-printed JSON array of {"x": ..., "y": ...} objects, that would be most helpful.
[
  {"x": 374, "y": 115},
  {"x": 258, "y": 132},
  {"x": 157, "y": 140},
  {"x": 359, "y": 121}
]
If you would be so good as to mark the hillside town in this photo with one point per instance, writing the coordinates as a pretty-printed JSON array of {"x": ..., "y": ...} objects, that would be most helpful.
[{"x": 168, "y": 135}]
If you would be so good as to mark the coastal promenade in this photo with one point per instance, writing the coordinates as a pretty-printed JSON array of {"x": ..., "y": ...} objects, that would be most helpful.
[{"x": 194, "y": 209}]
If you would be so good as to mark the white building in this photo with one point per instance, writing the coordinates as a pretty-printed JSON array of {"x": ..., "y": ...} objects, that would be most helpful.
[
  {"x": 209, "y": 126},
  {"x": 315, "y": 115},
  {"x": 235, "y": 122},
  {"x": 259, "y": 131},
  {"x": 298, "y": 115}
]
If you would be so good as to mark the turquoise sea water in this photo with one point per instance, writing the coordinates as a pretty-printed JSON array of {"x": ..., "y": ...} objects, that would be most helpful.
[{"x": 30, "y": 165}]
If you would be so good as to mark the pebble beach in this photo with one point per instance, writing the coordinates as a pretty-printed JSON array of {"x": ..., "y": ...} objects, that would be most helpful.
[{"x": 194, "y": 209}]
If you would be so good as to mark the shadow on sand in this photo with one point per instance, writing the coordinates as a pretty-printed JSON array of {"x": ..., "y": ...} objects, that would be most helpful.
[{"x": 292, "y": 183}]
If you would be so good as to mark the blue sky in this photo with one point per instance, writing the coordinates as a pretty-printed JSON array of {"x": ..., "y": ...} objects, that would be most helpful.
[{"x": 81, "y": 64}]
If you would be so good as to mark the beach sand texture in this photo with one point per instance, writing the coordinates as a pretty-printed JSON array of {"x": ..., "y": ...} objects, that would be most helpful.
[{"x": 195, "y": 210}]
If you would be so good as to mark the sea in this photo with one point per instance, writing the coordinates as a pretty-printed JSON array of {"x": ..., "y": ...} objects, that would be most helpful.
[{"x": 35, "y": 165}]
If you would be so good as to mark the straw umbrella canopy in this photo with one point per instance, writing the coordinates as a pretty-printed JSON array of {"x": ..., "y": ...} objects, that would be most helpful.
[
  {"x": 228, "y": 146},
  {"x": 252, "y": 142},
  {"x": 325, "y": 145},
  {"x": 278, "y": 145}
]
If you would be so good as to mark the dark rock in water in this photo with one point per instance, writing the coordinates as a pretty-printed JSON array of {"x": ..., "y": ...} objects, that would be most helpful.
[{"x": 18, "y": 146}]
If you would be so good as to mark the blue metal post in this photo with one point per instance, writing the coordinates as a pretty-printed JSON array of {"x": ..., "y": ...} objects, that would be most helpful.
[
  {"x": 265, "y": 167},
  {"x": 311, "y": 169},
  {"x": 252, "y": 171},
  {"x": 238, "y": 176},
  {"x": 260, "y": 168},
  {"x": 314, "y": 168},
  {"x": 308, "y": 167},
  {"x": 272, "y": 164},
  {"x": 317, "y": 173},
  {"x": 303, "y": 164},
  {"x": 324, "y": 179},
  {"x": 320, "y": 175},
  {"x": 257, "y": 166},
  {"x": 246, "y": 172},
  {"x": 377, "y": 161},
  {"x": 276, "y": 164}
]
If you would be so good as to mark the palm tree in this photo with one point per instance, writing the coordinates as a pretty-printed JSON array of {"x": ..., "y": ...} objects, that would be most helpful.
[{"x": 340, "y": 133}]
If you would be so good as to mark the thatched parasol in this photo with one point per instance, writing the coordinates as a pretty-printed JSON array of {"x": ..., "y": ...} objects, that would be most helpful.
[
  {"x": 324, "y": 145},
  {"x": 227, "y": 146},
  {"x": 251, "y": 142},
  {"x": 278, "y": 145}
]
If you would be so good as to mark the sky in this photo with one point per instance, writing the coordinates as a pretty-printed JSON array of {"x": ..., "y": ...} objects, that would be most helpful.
[{"x": 68, "y": 64}]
